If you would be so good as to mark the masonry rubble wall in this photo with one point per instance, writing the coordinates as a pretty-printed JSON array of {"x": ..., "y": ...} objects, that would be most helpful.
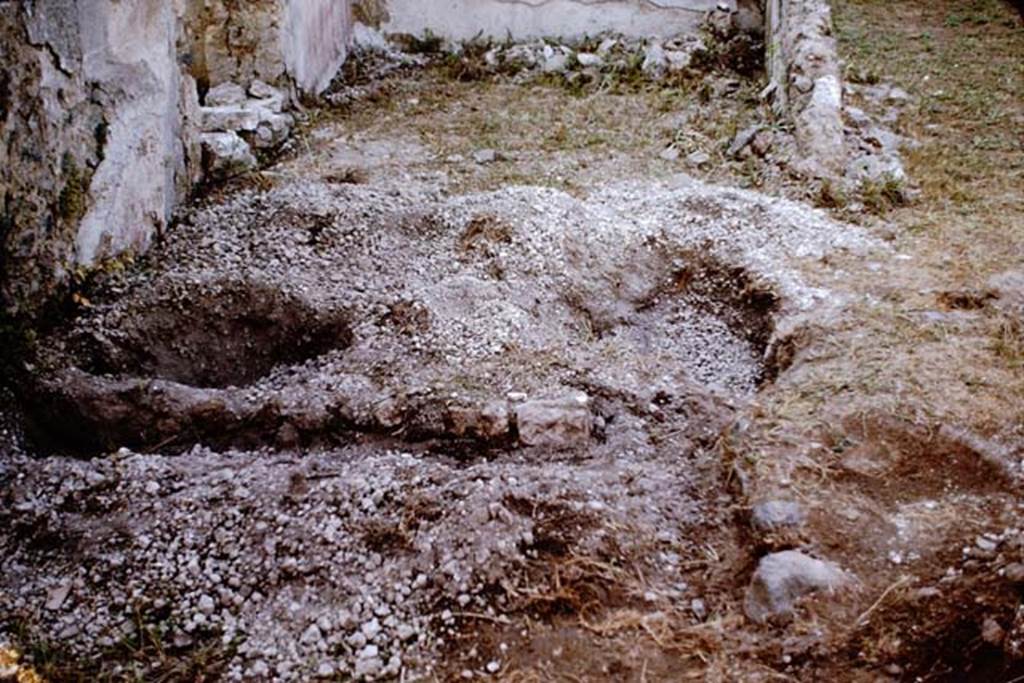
[{"x": 803, "y": 68}]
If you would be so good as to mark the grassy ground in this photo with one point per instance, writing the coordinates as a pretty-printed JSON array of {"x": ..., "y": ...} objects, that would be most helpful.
[
  {"x": 963, "y": 62},
  {"x": 548, "y": 134}
]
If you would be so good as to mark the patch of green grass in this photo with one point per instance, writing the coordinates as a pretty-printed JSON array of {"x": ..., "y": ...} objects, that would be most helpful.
[{"x": 830, "y": 195}]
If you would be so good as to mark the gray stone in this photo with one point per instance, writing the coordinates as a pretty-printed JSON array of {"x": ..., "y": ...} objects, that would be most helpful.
[
  {"x": 371, "y": 629},
  {"x": 677, "y": 60},
  {"x": 225, "y": 94},
  {"x": 268, "y": 96},
  {"x": 272, "y": 131},
  {"x": 589, "y": 59},
  {"x": 743, "y": 140},
  {"x": 226, "y": 155},
  {"x": 772, "y": 515},
  {"x": 311, "y": 635},
  {"x": 857, "y": 117},
  {"x": 670, "y": 153},
  {"x": 485, "y": 156},
  {"x": 207, "y": 604},
  {"x": 367, "y": 667},
  {"x": 749, "y": 20},
  {"x": 56, "y": 598},
  {"x": 561, "y": 423},
  {"x": 804, "y": 66},
  {"x": 783, "y": 578},
  {"x": 555, "y": 60},
  {"x": 878, "y": 167},
  {"x": 232, "y": 118},
  {"x": 258, "y": 120},
  {"x": 819, "y": 128},
  {"x": 698, "y": 159},
  {"x": 655, "y": 60}
]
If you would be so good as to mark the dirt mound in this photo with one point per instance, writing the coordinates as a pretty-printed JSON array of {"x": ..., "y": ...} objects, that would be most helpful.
[{"x": 378, "y": 415}]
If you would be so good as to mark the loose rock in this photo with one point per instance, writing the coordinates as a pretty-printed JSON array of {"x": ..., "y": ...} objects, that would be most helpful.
[
  {"x": 776, "y": 514},
  {"x": 560, "y": 423},
  {"x": 783, "y": 578},
  {"x": 226, "y": 155}
]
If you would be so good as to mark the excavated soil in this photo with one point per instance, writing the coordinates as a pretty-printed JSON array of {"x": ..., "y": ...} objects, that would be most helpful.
[
  {"x": 366, "y": 417},
  {"x": 337, "y": 427}
]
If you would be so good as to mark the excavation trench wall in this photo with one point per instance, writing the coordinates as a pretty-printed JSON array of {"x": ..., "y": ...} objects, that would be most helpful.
[
  {"x": 99, "y": 110},
  {"x": 465, "y": 19}
]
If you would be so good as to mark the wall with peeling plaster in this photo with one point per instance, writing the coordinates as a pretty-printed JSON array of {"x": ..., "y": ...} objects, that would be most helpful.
[
  {"x": 99, "y": 109},
  {"x": 464, "y": 19}
]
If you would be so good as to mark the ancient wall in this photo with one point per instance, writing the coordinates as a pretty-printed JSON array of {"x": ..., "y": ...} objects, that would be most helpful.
[
  {"x": 275, "y": 41},
  {"x": 464, "y": 19},
  {"x": 100, "y": 119},
  {"x": 803, "y": 66},
  {"x": 314, "y": 41},
  {"x": 95, "y": 135}
]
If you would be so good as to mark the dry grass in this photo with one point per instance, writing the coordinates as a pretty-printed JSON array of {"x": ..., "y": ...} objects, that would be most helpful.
[
  {"x": 963, "y": 62},
  {"x": 900, "y": 347},
  {"x": 547, "y": 134}
]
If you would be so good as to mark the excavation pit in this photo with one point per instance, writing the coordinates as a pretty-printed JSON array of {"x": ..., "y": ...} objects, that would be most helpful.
[
  {"x": 427, "y": 321},
  {"x": 214, "y": 335}
]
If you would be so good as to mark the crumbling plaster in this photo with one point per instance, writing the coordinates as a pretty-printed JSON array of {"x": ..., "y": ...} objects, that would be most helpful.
[{"x": 464, "y": 19}]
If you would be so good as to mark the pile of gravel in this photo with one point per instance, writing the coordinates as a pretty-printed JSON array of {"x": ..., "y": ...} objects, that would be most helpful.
[{"x": 515, "y": 377}]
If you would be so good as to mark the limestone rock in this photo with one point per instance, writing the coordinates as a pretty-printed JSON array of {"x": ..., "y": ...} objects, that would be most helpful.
[
  {"x": 804, "y": 68},
  {"x": 255, "y": 120},
  {"x": 555, "y": 60},
  {"x": 670, "y": 153},
  {"x": 485, "y": 156},
  {"x": 876, "y": 168},
  {"x": 743, "y": 140},
  {"x": 486, "y": 422},
  {"x": 559, "y": 423},
  {"x": 225, "y": 94},
  {"x": 783, "y": 578},
  {"x": 655, "y": 60},
  {"x": 698, "y": 159},
  {"x": 270, "y": 97},
  {"x": 819, "y": 129},
  {"x": 776, "y": 514},
  {"x": 226, "y": 154}
]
